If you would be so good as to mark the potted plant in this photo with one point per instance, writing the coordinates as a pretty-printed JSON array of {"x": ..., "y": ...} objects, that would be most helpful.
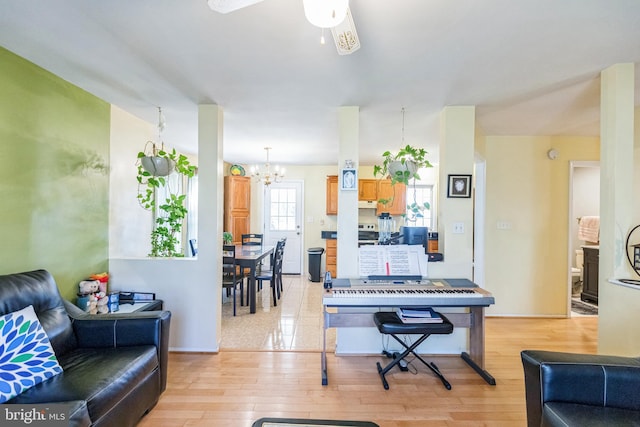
[
  {"x": 172, "y": 211},
  {"x": 158, "y": 162},
  {"x": 403, "y": 167},
  {"x": 227, "y": 238}
]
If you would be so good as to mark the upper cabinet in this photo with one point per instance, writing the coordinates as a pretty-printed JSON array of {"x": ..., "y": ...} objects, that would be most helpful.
[
  {"x": 237, "y": 205},
  {"x": 398, "y": 194},
  {"x": 332, "y": 195},
  {"x": 368, "y": 190}
]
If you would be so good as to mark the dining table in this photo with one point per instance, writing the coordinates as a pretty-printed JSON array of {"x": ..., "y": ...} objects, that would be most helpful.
[{"x": 249, "y": 257}]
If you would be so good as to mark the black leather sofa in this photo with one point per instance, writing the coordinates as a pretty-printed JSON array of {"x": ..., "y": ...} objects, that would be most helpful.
[
  {"x": 114, "y": 366},
  {"x": 585, "y": 390}
]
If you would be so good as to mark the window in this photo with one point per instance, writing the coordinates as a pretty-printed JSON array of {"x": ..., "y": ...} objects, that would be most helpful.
[
  {"x": 283, "y": 209},
  {"x": 423, "y": 193},
  {"x": 176, "y": 184}
]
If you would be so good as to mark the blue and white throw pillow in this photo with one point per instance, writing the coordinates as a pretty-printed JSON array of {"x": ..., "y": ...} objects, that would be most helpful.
[{"x": 26, "y": 356}]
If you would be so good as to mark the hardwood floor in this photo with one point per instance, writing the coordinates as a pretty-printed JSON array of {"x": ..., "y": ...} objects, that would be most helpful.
[{"x": 236, "y": 387}]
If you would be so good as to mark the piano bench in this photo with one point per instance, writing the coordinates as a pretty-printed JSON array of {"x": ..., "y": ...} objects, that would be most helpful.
[{"x": 389, "y": 323}]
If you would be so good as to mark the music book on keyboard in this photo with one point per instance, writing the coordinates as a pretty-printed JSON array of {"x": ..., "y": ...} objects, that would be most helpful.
[
  {"x": 419, "y": 315},
  {"x": 392, "y": 261}
]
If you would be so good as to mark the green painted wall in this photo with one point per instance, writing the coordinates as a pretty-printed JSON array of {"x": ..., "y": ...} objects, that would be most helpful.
[{"x": 54, "y": 180}]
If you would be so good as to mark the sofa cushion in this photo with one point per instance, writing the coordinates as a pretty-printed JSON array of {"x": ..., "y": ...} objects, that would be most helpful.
[
  {"x": 563, "y": 414},
  {"x": 26, "y": 356},
  {"x": 101, "y": 376},
  {"x": 38, "y": 288}
]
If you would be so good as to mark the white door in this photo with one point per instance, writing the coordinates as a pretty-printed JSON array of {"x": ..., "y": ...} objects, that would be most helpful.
[{"x": 283, "y": 218}]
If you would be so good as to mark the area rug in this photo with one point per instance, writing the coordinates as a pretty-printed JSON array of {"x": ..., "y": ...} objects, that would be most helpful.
[
  {"x": 297, "y": 422},
  {"x": 582, "y": 308}
]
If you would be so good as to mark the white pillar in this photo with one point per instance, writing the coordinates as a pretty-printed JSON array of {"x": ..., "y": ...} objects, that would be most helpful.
[
  {"x": 618, "y": 305},
  {"x": 457, "y": 151},
  {"x": 349, "y": 129},
  {"x": 210, "y": 227}
]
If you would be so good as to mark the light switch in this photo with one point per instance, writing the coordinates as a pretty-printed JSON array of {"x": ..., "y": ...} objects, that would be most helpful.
[{"x": 458, "y": 228}]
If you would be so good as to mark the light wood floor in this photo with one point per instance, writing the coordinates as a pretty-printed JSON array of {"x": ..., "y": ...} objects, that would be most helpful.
[{"x": 237, "y": 387}]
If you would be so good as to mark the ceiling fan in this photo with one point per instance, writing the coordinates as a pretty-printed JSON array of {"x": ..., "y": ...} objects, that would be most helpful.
[{"x": 334, "y": 14}]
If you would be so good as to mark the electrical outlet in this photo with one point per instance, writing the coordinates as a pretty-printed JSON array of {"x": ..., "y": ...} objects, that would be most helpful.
[{"x": 458, "y": 228}]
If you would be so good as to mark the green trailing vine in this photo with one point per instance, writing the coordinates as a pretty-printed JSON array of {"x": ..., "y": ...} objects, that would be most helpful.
[
  {"x": 403, "y": 167},
  {"x": 171, "y": 212}
]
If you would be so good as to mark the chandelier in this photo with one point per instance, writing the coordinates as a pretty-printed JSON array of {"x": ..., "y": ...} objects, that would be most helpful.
[{"x": 267, "y": 176}]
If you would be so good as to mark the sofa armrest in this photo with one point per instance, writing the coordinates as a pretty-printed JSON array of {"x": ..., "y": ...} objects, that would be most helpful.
[
  {"x": 588, "y": 379},
  {"x": 126, "y": 329}
]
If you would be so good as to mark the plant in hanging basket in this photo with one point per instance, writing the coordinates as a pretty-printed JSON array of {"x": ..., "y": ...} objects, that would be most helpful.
[
  {"x": 157, "y": 165},
  {"x": 403, "y": 167},
  {"x": 171, "y": 212}
]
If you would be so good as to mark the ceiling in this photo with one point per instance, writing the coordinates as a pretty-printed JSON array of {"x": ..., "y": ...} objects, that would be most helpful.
[{"x": 531, "y": 67}]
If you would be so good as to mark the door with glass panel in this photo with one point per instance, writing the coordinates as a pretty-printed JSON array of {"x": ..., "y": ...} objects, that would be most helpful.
[{"x": 283, "y": 218}]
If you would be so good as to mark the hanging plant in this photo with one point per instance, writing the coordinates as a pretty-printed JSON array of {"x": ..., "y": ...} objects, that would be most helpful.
[
  {"x": 171, "y": 212},
  {"x": 403, "y": 167}
]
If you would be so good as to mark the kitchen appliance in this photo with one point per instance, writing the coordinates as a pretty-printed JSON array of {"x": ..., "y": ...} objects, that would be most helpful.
[
  {"x": 386, "y": 225},
  {"x": 414, "y": 236},
  {"x": 367, "y": 234},
  {"x": 367, "y": 204}
]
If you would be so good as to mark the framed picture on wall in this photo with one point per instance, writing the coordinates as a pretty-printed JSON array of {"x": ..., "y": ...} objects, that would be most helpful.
[
  {"x": 459, "y": 186},
  {"x": 349, "y": 179}
]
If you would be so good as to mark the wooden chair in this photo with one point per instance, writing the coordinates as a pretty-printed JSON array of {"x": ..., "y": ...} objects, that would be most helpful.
[
  {"x": 275, "y": 275},
  {"x": 284, "y": 243},
  {"x": 231, "y": 277},
  {"x": 252, "y": 239}
]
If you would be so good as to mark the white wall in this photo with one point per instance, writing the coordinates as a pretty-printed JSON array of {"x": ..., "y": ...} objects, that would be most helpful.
[
  {"x": 130, "y": 225},
  {"x": 188, "y": 286}
]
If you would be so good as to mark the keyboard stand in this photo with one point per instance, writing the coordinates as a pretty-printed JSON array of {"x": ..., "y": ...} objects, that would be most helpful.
[{"x": 473, "y": 320}]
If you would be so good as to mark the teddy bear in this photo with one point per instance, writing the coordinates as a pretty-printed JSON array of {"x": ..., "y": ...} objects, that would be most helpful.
[
  {"x": 87, "y": 287},
  {"x": 92, "y": 305},
  {"x": 102, "y": 306}
]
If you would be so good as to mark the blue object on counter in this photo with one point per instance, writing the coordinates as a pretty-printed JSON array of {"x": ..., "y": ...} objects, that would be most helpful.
[{"x": 114, "y": 302}]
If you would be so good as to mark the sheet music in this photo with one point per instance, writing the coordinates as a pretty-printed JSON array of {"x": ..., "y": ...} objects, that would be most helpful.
[{"x": 392, "y": 260}]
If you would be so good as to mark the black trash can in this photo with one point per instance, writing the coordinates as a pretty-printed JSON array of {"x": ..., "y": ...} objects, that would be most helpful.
[{"x": 315, "y": 261}]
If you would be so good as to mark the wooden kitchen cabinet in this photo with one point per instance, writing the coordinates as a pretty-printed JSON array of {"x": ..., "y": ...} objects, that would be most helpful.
[
  {"x": 368, "y": 190},
  {"x": 332, "y": 195},
  {"x": 237, "y": 206},
  {"x": 332, "y": 257},
  {"x": 432, "y": 245},
  {"x": 590, "y": 274},
  {"x": 398, "y": 192}
]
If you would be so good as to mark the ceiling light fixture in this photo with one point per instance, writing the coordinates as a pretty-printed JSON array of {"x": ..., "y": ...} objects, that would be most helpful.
[
  {"x": 325, "y": 13},
  {"x": 267, "y": 176},
  {"x": 345, "y": 36}
]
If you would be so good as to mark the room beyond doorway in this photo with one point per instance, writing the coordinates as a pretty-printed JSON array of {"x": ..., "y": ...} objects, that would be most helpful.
[{"x": 584, "y": 200}]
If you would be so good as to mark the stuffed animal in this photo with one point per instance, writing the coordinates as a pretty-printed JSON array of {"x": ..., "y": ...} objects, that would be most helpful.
[
  {"x": 102, "y": 306},
  {"x": 103, "y": 278},
  {"x": 87, "y": 287},
  {"x": 92, "y": 305}
]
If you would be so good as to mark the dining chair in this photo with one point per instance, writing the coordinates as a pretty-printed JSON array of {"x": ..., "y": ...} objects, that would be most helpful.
[
  {"x": 193, "y": 245},
  {"x": 252, "y": 239},
  {"x": 231, "y": 277},
  {"x": 284, "y": 243},
  {"x": 275, "y": 275}
]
